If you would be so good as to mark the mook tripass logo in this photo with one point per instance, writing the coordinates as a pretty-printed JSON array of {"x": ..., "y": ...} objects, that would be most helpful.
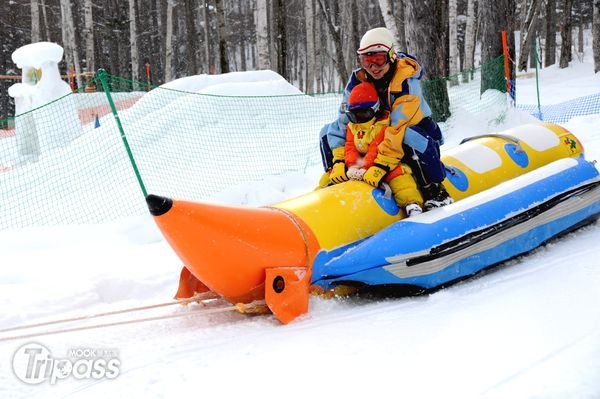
[{"x": 33, "y": 363}]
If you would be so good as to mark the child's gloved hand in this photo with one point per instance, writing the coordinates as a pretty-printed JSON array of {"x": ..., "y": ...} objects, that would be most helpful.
[
  {"x": 355, "y": 173},
  {"x": 338, "y": 173},
  {"x": 374, "y": 175}
]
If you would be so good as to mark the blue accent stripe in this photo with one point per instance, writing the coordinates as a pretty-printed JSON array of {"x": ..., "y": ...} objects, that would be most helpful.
[
  {"x": 364, "y": 261},
  {"x": 415, "y": 140},
  {"x": 468, "y": 266}
]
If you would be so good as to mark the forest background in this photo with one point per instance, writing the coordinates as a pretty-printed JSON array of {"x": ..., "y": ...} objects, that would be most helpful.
[{"x": 311, "y": 43}]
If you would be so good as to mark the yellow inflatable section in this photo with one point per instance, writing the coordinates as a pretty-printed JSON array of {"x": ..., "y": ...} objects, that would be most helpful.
[
  {"x": 485, "y": 161},
  {"x": 342, "y": 214}
]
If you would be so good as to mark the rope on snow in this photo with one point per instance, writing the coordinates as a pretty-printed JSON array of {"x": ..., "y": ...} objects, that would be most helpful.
[{"x": 202, "y": 298}]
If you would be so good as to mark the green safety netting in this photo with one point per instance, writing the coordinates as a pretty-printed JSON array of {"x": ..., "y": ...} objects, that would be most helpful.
[{"x": 91, "y": 156}]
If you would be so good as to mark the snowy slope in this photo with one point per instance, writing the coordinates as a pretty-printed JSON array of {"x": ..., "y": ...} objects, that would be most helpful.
[{"x": 528, "y": 329}]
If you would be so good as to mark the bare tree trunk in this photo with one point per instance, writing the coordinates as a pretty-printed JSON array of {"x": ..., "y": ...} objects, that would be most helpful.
[
  {"x": 319, "y": 68},
  {"x": 534, "y": 55},
  {"x": 88, "y": 35},
  {"x": 340, "y": 65},
  {"x": 580, "y": 29},
  {"x": 470, "y": 37},
  {"x": 169, "y": 74},
  {"x": 207, "y": 37},
  {"x": 45, "y": 18},
  {"x": 282, "y": 53},
  {"x": 422, "y": 40},
  {"x": 198, "y": 16},
  {"x": 453, "y": 61},
  {"x": 429, "y": 44},
  {"x": 272, "y": 10},
  {"x": 351, "y": 38},
  {"x": 565, "y": 34},
  {"x": 309, "y": 17},
  {"x": 550, "y": 56},
  {"x": 192, "y": 62},
  {"x": 35, "y": 21},
  {"x": 223, "y": 56},
  {"x": 440, "y": 41},
  {"x": 387, "y": 8},
  {"x": 262, "y": 35},
  {"x": 243, "y": 9},
  {"x": 596, "y": 35},
  {"x": 495, "y": 17},
  {"x": 527, "y": 33},
  {"x": 68, "y": 33},
  {"x": 399, "y": 13},
  {"x": 135, "y": 55}
]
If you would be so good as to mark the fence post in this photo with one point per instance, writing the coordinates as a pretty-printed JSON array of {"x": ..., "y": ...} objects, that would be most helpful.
[
  {"x": 101, "y": 75},
  {"x": 148, "y": 80},
  {"x": 509, "y": 88}
]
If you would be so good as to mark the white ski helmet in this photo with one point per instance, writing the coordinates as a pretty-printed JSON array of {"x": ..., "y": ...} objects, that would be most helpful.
[{"x": 376, "y": 40}]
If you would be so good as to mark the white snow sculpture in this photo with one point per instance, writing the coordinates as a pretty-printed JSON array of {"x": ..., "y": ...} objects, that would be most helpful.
[{"x": 49, "y": 126}]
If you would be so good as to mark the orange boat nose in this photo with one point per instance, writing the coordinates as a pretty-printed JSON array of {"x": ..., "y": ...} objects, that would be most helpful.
[{"x": 229, "y": 248}]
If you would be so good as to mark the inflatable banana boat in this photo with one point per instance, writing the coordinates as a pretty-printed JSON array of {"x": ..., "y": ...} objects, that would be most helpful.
[{"x": 513, "y": 190}]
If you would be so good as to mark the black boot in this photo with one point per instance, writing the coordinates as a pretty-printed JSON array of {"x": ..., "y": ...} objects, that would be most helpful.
[{"x": 436, "y": 196}]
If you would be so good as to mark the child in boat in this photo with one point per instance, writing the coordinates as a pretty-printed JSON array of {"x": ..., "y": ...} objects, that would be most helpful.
[{"x": 361, "y": 158}]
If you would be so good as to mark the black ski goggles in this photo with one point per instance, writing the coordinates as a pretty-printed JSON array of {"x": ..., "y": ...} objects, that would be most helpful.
[{"x": 363, "y": 114}]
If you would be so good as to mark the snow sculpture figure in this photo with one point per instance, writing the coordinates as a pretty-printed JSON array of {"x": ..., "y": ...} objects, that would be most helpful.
[{"x": 41, "y": 85}]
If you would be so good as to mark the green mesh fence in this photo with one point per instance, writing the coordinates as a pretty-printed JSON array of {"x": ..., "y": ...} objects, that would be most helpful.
[
  {"x": 467, "y": 92},
  {"x": 90, "y": 156}
]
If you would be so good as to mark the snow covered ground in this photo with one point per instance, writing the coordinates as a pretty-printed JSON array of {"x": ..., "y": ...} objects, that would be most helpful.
[{"x": 528, "y": 329}]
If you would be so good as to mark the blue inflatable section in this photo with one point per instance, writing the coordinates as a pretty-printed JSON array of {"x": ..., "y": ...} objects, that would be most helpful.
[{"x": 429, "y": 254}]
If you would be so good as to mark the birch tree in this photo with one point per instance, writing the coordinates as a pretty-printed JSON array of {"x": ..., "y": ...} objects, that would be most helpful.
[
  {"x": 309, "y": 18},
  {"x": 351, "y": 39},
  {"x": 527, "y": 32},
  {"x": 68, "y": 36},
  {"x": 389, "y": 19},
  {"x": 133, "y": 42},
  {"x": 453, "y": 61},
  {"x": 45, "y": 19},
  {"x": 207, "y": 37},
  {"x": 470, "y": 38},
  {"x": 242, "y": 7},
  {"x": 262, "y": 35},
  {"x": 318, "y": 52},
  {"x": 169, "y": 73},
  {"x": 35, "y": 21},
  {"x": 88, "y": 35}
]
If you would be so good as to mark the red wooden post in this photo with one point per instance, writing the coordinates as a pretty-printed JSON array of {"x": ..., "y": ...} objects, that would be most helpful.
[
  {"x": 72, "y": 77},
  {"x": 148, "y": 80},
  {"x": 506, "y": 68}
]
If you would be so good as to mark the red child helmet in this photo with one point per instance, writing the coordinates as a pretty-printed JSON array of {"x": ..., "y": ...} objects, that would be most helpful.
[{"x": 363, "y": 103}]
